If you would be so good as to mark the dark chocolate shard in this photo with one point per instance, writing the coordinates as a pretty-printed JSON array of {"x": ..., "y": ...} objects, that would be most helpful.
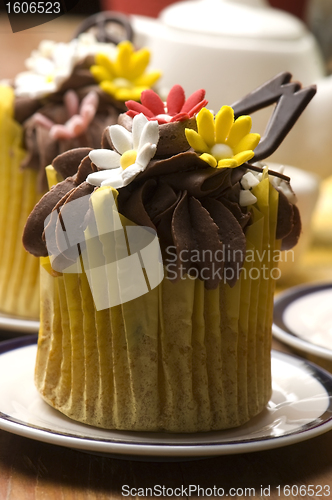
[
  {"x": 291, "y": 100},
  {"x": 263, "y": 96}
]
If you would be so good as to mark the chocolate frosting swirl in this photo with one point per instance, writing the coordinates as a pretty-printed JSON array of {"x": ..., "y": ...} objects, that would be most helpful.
[
  {"x": 193, "y": 208},
  {"x": 174, "y": 196}
]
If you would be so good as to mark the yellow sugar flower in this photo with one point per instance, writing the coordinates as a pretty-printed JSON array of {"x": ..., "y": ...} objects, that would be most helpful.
[
  {"x": 222, "y": 141},
  {"x": 125, "y": 77}
]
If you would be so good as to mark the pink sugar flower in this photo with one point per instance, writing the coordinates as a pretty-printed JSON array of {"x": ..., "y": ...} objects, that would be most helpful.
[
  {"x": 80, "y": 116},
  {"x": 176, "y": 108}
]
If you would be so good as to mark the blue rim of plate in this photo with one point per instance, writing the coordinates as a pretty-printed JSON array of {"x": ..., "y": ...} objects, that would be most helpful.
[
  {"x": 282, "y": 332},
  {"x": 16, "y": 343},
  {"x": 159, "y": 450}
]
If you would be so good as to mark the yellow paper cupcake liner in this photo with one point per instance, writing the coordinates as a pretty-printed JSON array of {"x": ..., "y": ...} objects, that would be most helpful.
[
  {"x": 19, "y": 271},
  {"x": 179, "y": 358}
]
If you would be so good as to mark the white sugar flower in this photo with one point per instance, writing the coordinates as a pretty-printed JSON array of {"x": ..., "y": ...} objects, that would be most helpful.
[
  {"x": 52, "y": 63},
  {"x": 135, "y": 150}
]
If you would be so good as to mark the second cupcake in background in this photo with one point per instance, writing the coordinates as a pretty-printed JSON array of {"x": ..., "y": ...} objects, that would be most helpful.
[{"x": 54, "y": 106}]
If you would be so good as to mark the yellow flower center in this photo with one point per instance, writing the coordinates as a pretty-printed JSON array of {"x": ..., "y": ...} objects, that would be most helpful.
[
  {"x": 122, "y": 83},
  {"x": 221, "y": 151},
  {"x": 128, "y": 158},
  {"x": 49, "y": 78}
]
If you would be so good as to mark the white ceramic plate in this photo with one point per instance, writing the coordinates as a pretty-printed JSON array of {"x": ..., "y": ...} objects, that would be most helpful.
[
  {"x": 16, "y": 324},
  {"x": 302, "y": 319},
  {"x": 300, "y": 408}
]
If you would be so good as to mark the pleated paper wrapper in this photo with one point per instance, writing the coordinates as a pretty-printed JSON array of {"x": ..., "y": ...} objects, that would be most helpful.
[
  {"x": 19, "y": 271},
  {"x": 179, "y": 358}
]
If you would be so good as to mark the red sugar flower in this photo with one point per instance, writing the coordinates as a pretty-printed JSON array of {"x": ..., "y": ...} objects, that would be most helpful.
[{"x": 176, "y": 108}]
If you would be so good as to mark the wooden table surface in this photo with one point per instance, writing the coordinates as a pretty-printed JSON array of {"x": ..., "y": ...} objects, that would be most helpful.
[
  {"x": 16, "y": 47},
  {"x": 35, "y": 470}
]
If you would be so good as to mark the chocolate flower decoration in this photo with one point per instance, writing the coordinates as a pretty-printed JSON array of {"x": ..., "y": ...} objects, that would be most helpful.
[
  {"x": 81, "y": 115},
  {"x": 135, "y": 152},
  {"x": 223, "y": 141},
  {"x": 176, "y": 108},
  {"x": 124, "y": 77}
]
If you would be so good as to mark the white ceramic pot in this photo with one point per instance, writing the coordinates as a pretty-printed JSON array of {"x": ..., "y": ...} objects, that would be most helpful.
[{"x": 230, "y": 47}]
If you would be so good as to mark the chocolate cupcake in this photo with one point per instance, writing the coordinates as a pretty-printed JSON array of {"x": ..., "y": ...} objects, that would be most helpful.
[{"x": 159, "y": 268}]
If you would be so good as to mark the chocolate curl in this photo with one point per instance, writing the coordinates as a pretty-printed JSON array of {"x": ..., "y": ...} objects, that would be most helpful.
[{"x": 290, "y": 99}]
